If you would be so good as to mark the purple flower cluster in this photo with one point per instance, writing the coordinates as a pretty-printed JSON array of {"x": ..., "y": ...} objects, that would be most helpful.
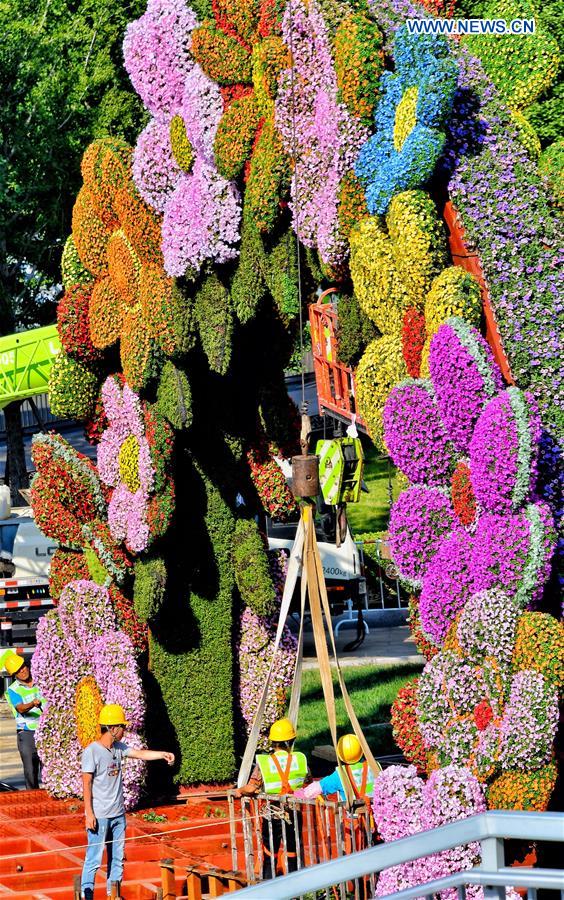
[
  {"x": 514, "y": 552},
  {"x": 317, "y": 130},
  {"x": 415, "y": 435},
  {"x": 409, "y": 805},
  {"x": 255, "y": 649},
  {"x": 503, "y": 452},
  {"x": 80, "y": 639},
  {"x": 447, "y": 585},
  {"x": 496, "y": 189},
  {"x": 464, "y": 377},
  {"x": 462, "y": 407},
  {"x": 419, "y": 518},
  {"x": 201, "y": 210}
]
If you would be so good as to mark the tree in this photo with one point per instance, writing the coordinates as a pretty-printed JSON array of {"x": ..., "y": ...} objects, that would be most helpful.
[{"x": 63, "y": 84}]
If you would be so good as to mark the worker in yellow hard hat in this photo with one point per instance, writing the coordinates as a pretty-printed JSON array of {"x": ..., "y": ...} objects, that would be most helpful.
[
  {"x": 280, "y": 772},
  {"x": 25, "y": 701},
  {"x": 354, "y": 768},
  {"x": 104, "y": 808}
]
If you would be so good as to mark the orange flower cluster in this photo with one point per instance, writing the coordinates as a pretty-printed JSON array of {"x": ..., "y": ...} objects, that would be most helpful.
[
  {"x": 243, "y": 51},
  {"x": 359, "y": 60},
  {"x": 523, "y": 790},
  {"x": 117, "y": 238}
]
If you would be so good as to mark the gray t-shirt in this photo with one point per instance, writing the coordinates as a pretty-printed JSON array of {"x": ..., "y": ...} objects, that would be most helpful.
[{"x": 107, "y": 787}]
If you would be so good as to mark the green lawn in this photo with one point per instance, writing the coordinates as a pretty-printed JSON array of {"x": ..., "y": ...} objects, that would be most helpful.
[
  {"x": 372, "y": 511},
  {"x": 372, "y": 690}
]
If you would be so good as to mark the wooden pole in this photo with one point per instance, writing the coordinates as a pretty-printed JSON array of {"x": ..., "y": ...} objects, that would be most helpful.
[{"x": 168, "y": 882}]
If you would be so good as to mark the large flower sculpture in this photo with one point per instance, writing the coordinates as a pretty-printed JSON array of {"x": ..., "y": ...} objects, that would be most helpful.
[
  {"x": 173, "y": 161},
  {"x": 469, "y": 449},
  {"x": 255, "y": 650},
  {"x": 241, "y": 49},
  {"x": 487, "y": 703},
  {"x": 319, "y": 132},
  {"x": 82, "y": 661},
  {"x": 404, "y": 804},
  {"x": 127, "y": 296},
  {"x": 134, "y": 456},
  {"x": 416, "y": 100}
]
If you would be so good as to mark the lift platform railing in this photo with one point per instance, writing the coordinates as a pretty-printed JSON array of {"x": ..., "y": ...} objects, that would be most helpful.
[
  {"x": 490, "y": 829},
  {"x": 321, "y": 830}
]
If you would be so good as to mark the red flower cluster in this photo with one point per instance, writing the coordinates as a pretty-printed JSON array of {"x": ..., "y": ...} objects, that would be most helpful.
[
  {"x": 269, "y": 481},
  {"x": 73, "y": 324},
  {"x": 66, "y": 565},
  {"x": 405, "y": 726},
  {"x": 413, "y": 336},
  {"x": 463, "y": 499},
  {"x": 483, "y": 714},
  {"x": 128, "y": 619},
  {"x": 62, "y": 494}
]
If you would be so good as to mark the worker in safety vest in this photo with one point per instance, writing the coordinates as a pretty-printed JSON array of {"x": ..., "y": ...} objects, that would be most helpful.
[
  {"x": 25, "y": 701},
  {"x": 282, "y": 771},
  {"x": 356, "y": 770}
]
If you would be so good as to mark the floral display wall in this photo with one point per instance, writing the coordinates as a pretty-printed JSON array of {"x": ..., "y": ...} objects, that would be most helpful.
[{"x": 289, "y": 148}]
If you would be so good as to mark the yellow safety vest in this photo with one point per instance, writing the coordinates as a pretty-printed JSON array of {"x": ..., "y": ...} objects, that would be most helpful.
[
  {"x": 282, "y": 773},
  {"x": 357, "y": 772}
]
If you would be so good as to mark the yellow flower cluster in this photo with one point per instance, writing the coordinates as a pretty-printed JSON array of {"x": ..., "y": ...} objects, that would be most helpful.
[
  {"x": 87, "y": 705},
  {"x": 129, "y": 463},
  {"x": 380, "y": 368},
  {"x": 406, "y": 117},
  {"x": 455, "y": 292},
  {"x": 418, "y": 242},
  {"x": 180, "y": 144},
  {"x": 380, "y": 290},
  {"x": 526, "y": 134}
]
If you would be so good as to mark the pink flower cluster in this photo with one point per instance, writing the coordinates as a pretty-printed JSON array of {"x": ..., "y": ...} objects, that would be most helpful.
[
  {"x": 201, "y": 210},
  {"x": 127, "y": 509},
  {"x": 255, "y": 649},
  {"x": 474, "y": 708},
  {"x": 317, "y": 130},
  {"x": 447, "y": 584},
  {"x": 79, "y": 639},
  {"x": 404, "y": 804}
]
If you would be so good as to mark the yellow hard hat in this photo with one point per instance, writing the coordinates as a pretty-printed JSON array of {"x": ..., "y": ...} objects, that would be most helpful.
[
  {"x": 13, "y": 663},
  {"x": 112, "y": 714},
  {"x": 282, "y": 730},
  {"x": 349, "y": 749}
]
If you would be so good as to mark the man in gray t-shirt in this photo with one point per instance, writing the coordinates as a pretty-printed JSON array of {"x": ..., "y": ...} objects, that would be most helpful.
[{"x": 104, "y": 808}]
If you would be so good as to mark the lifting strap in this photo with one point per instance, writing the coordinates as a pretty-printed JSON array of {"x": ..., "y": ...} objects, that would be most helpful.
[
  {"x": 305, "y": 561},
  {"x": 284, "y": 773},
  {"x": 359, "y": 792}
]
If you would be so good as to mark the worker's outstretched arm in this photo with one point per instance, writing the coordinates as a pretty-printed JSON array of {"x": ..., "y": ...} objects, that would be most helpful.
[{"x": 151, "y": 755}]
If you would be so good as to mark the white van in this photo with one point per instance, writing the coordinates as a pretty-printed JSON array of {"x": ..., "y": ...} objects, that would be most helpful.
[{"x": 25, "y": 558}]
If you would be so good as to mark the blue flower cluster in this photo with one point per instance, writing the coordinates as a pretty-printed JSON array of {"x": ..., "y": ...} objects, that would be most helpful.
[{"x": 424, "y": 64}]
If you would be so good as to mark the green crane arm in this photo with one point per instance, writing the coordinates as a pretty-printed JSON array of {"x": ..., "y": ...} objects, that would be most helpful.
[{"x": 25, "y": 362}]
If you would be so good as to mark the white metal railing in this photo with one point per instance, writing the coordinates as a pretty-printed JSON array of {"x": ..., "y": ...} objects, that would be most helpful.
[{"x": 490, "y": 829}]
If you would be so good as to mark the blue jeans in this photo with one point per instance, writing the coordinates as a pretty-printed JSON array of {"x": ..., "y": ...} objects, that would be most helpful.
[{"x": 110, "y": 833}]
